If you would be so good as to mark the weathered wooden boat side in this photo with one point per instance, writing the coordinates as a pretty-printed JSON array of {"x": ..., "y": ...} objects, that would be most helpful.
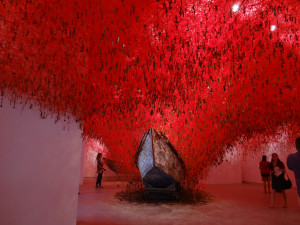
[
  {"x": 144, "y": 156},
  {"x": 114, "y": 165},
  {"x": 158, "y": 162},
  {"x": 166, "y": 157}
]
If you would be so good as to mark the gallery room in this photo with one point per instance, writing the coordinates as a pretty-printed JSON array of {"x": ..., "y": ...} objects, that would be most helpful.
[{"x": 149, "y": 112}]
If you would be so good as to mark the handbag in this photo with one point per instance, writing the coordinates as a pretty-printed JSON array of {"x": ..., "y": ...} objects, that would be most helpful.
[{"x": 287, "y": 183}]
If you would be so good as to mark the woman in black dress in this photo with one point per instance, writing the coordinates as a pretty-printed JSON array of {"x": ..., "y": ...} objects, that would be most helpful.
[{"x": 277, "y": 170}]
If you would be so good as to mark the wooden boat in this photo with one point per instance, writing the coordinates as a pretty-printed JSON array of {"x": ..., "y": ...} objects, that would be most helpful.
[
  {"x": 114, "y": 166},
  {"x": 158, "y": 162}
]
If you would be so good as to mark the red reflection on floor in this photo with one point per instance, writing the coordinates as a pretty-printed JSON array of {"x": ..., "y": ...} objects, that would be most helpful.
[{"x": 233, "y": 204}]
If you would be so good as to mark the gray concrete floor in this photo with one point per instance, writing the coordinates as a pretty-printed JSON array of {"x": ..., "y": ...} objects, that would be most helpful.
[{"x": 232, "y": 204}]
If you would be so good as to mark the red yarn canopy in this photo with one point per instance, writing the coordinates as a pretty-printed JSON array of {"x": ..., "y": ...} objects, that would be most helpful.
[{"x": 201, "y": 71}]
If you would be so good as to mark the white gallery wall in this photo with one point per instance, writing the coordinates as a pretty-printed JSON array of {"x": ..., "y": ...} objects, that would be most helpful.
[
  {"x": 241, "y": 162},
  {"x": 39, "y": 168},
  {"x": 229, "y": 171},
  {"x": 91, "y": 148},
  {"x": 251, "y": 159}
]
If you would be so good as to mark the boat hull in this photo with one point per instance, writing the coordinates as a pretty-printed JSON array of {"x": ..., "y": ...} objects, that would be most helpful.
[{"x": 158, "y": 162}]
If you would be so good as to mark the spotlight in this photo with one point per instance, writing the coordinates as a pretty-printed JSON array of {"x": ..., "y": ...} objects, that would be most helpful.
[
  {"x": 235, "y": 8},
  {"x": 273, "y": 27}
]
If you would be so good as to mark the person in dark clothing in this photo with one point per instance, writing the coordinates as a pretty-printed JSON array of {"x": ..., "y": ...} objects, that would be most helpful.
[
  {"x": 264, "y": 167},
  {"x": 293, "y": 163},
  {"x": 100, "y": 169},
  {"x": 277, "y": 170}
]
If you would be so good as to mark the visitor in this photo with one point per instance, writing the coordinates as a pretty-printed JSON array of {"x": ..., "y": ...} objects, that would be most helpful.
[
  {"x": 100, "y": 169},
  {"x": 277, "y": 170},
  {"x": 293, "y": 163},
  {"x": 265, "y": 173}
]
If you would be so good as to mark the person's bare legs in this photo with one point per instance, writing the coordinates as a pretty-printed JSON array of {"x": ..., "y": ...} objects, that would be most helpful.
[
  {"x": 284, "y": 198},
  {"x": 272, "y": 199},
  {"x": 265, "y": 185},
  {"x": 269, "y": 186}
]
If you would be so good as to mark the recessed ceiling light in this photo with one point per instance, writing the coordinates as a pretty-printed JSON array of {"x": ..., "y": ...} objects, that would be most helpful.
[
  {"x": 235, "y": 8},
  {"x": 273, "y": 27}
]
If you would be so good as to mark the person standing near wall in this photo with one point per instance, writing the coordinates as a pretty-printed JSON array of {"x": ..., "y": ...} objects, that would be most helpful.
[
  {"x": 277, "y": 170},
  {"x": 265, "y": 173},
  {"x": 100, "y": 169},
  {"x": 293, "y": 163}
]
